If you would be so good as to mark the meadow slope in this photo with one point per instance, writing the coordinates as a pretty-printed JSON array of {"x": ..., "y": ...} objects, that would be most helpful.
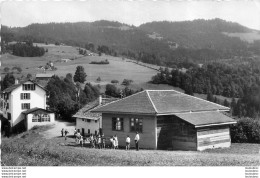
[
  {"x": 32, "y": 149},
  {"x": 117, "y": 68}
]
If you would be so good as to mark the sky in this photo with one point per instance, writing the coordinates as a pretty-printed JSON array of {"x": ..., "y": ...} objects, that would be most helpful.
[{"x": 132, "y": 12}]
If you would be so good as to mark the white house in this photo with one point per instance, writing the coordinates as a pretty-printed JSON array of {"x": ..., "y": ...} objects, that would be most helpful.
[{"x": 19, "y": 98}]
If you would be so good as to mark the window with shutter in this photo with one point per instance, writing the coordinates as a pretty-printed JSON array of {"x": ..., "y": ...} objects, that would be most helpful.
[{"x": 118, "y": 124}]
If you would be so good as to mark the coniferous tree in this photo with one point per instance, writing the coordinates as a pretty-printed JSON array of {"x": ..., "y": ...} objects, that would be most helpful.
[
  {"x": 80, "y": 75},
  {"x": 210, "y": 97},
  {"x": 8, "y": 81},
  {"x": 226, "y": 103}
]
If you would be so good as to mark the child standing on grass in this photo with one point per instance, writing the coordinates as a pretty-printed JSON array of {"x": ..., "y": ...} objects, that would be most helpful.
[
  {"x": 77, "y": 139},
  {"x": 91, "y": 139},
  {"x": 75, "y": 132},
  {"x": 62, "y": 132},
  {"x": 116, "y": 142},
  {"x": 99, "y": 141},
  {"x": 81, "y": 141},
  {"x": 103, "y": 141},
  {"x": 112, "y": 142},
  {"x": 66, "y": 132},
  {"x": 128, "y": 140}
]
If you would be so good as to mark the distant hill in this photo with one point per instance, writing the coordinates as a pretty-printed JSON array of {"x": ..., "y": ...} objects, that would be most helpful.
[
  {"x": 199, "y": 33},
  {"x": 155, "y": 42}
]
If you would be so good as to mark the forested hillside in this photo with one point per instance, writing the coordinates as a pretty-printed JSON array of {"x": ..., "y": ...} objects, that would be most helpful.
[
  {"x": 196, "y": 41},
  {"x": 199, "y": 34}
]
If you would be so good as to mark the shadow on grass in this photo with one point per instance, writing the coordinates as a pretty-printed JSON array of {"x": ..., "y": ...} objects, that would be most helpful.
[{"x": 78, "y": 145}]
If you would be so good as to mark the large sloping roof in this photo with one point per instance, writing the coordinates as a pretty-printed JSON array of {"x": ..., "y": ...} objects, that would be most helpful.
[
  {"x": 85, "y": 111},
  {"x": 206, "y": 118},
  {"x": 137, "y": 103},
  {"x": 13, "y": 87},
  {"x": 159, "y": 102}
]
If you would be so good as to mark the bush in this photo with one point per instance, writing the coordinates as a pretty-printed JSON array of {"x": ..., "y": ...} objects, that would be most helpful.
[
  {"x": 100, "y": 62},
  {"x": 115, "y": 81},
  {"x": 98, "y": 79},
  {"x": 127, "y": 82},
  {"x": 246, "y": 130}
]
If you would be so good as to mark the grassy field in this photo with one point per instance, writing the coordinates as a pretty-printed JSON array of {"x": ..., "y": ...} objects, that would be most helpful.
[
  {"x": 117, "y": 69},
  {"x": 248, "y": 37},
  {"x": 31, "y": 149}
]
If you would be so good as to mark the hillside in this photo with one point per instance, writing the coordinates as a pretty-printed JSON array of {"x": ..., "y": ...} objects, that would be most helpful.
[
  {"x": 163, "y": 43},
  {"x": 117, "y": 69},
  {"x": 36, "y": 150},
  {"x": 199, "y": 33}
]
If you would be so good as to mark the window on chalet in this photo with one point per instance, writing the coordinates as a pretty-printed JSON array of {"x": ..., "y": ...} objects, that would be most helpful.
[
  {"x": 25, "y": 105},
  {"x": 5, "y": 96},
  {"x": 35, "y": 118},
  {"x": 25, "y": 96},
  {"x": 41, "y": 118},
  {"x": 88, "y": 120},
  {"x": 117, "y": 124},
  {"x": 45, "y": 118},
  {"x": 136, "y": 125},
  {"x": 27, "y": 87},
  {"x": 7, "y": 105}
]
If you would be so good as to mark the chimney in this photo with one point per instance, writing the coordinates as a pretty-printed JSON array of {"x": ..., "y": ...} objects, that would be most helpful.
[
  {"x": 16, "y": 81},
  {"x": 100, "y": 99}
]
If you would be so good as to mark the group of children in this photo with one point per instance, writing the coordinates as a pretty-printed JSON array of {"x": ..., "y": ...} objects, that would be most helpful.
[
  {"x": 99, "y": 141},
  {"x": 114, "y": 142}
]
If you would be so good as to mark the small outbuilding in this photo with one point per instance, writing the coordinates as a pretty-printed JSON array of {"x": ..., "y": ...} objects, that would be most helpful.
[
  {"x": 37, "y": 116},
  {"x": 88, "y": 122},
  {"x": 167, "y": 119},
  {"x": 43, "y": 76}
]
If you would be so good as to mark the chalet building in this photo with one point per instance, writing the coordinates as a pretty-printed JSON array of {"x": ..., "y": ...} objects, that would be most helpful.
[
  {"x": 23, "y": 105},
  {"x": 88, "y": 122},
  {"x": 167, "y": 119},
  {"x": 43, "y": 76}
]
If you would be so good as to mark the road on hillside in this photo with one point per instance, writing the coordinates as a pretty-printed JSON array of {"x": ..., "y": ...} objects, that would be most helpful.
[{"x": 56, "y": 129}]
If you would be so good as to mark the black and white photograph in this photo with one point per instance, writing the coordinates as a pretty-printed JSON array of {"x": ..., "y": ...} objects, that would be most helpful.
[{"x": 130, "y": 83}]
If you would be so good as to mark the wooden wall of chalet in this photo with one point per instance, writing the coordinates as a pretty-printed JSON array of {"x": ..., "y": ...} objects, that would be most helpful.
[
  {"x": 213, "y": 137},
  {"x": 147, "y": 136},
  {"x": 174, "y": 133}
]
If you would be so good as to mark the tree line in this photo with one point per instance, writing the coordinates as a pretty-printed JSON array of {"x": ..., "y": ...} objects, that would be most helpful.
[
  {"x": 26, "y": 49},
  {"x": 67, "y": 96},
  {"x": 218, "y": 79}
]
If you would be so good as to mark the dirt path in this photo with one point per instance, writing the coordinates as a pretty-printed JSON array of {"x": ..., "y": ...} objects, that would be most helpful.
[{"x": 55, "y": 131}]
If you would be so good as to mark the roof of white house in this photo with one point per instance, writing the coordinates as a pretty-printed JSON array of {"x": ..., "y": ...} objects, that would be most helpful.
[
  {"x": 36, "y": 111},
  {"x": 13, "y": 87},
  {"x": 160, "y": 102}
]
